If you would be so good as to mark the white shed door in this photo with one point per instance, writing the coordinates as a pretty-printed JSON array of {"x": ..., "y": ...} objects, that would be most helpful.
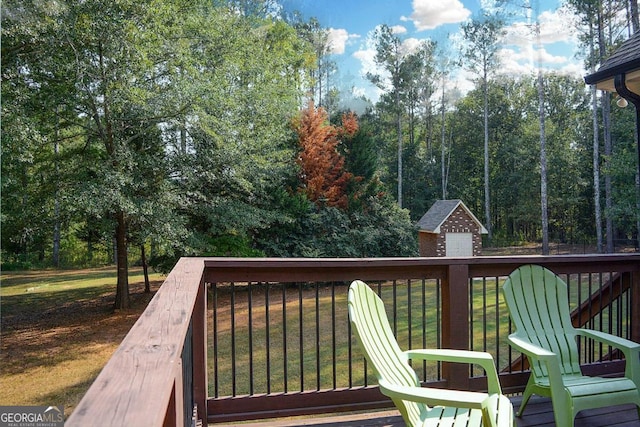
[{"x": 459, "y": 244}]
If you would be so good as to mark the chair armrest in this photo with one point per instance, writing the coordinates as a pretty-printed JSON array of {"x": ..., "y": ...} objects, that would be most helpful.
[
  {"x": 630, "y": 349},
  {"x": 531, "y": 349},
  {"x": 435, "y": 396},
  {"x": 614, "y": 341},
  {"x": 481, "y": 358}
]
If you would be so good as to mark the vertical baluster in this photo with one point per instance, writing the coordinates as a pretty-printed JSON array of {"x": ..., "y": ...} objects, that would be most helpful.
[
  {"x": 590, "y": 348},
  {"x": 350, "y": 352},
  {"x": 424, "y": 326},
  {"x": 497, "y": 303},
  {"x": 601, "y": 314},
  {"x": 317, "y": 291},
  {"x": 471, "y": 317},
  {"x": 250, "y": 318},
  {"x": 216, "y": 380},
  {"x": 333, "y": 335},
  {"x": 409, "y": 326},
  {"x": 301, "y": 335},
  {"x": 581, "y": 340},
  {"x": 233, "y": 339},
  {"x": 395, "y": 308},
  {"x": 267, "y": 334},
  {"x": 438, "y": 324},
  {"x": 285, "y": 377},
  {"x": 484, "y": 313}
]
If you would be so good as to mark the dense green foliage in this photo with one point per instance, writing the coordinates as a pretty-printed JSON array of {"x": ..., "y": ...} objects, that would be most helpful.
[{"x": 169, "y": 124}]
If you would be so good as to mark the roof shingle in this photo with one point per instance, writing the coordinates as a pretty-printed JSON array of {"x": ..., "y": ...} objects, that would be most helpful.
[
  {"x": 440, "y": 211},
  {"x": 625, "y": 59}
]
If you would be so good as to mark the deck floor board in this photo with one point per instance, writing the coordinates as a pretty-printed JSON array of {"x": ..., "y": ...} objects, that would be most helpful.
[{"x": 538, "y": 414}]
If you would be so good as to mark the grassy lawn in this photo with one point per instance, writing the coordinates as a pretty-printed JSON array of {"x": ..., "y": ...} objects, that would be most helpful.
[
  {"x": 260, "y": 367},
  {"x": 309, "y": 351},
  {"x": 58, "y": 330}
]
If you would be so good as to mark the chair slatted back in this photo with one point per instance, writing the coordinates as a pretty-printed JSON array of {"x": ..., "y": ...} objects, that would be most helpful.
[
  {"x": 539, "y": 308},
  {"x": 371, "y": 326}
]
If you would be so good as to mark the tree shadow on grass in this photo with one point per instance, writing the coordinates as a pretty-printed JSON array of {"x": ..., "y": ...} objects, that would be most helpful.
[{"x": 43, "y": 329}]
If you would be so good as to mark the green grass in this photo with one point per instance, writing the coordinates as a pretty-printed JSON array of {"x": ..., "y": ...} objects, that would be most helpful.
[
  {"x": 59, "y": 330},
  {"x": 309, "y": 353},
  {"x": 489, "y": 328}
]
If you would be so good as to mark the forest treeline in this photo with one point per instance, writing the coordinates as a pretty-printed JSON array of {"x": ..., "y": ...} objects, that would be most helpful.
[{"x": 163, "y": 128}]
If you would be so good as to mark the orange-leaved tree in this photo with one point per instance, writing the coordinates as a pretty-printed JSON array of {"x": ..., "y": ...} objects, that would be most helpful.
[{"x": 322, "y": 174}]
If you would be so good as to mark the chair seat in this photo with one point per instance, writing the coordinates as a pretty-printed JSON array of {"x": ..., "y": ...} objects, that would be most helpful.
[
  {"x": 444, "y": 416},
  {"x": 581, "y": 385},
  {"x": 440, "y": 416}
]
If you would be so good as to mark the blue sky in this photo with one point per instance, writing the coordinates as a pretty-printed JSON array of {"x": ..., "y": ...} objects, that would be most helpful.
[{"x": 352, "y": 22}]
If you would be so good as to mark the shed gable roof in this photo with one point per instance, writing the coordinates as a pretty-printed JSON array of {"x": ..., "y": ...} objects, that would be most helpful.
[{"x": 440, "y": 211}]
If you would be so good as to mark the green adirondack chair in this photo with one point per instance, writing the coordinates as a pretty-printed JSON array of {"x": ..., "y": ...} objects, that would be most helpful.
[
  {"x": 422, "y": 406},
  {"x": 539, "y": 308}
]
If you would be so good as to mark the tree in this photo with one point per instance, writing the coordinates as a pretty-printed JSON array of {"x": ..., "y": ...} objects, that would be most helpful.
[
  {"x": 603, "y": 22},
  {"x": 116, "y": 72},
  {"x": 389, "y": 55},
  {"x": 241, "y": 149},
  {"x": 322, "y": 173},
  {"x": 483, "y": 35},
  {"x": 318, "y": 39}
]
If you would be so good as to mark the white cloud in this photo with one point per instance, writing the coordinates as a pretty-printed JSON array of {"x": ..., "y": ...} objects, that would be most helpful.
[
  {"x": 524, "y": 62},
  {"x": 367, "y": 60},
  {"x": 527, "y": 53},
  {"x": 555, "y": 26},
  {"x": 430, "y": 14},
  {"x": 398, "y": 29},
  {"x": 338, "y": 38},
  {"x": 410, "y": 46},
  {"x": 367, "y": 54}
]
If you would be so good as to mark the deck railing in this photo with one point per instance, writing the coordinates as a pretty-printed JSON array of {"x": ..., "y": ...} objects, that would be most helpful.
[{"x": 274, "y": 338}]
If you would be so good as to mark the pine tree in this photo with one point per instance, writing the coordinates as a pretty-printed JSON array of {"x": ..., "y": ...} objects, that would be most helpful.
[{"x": 322, "y": 174}]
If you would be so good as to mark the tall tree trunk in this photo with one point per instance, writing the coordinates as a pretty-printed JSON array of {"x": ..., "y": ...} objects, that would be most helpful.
[
  {"x": 596, "y": 170},
  {"x": 543, "y": 166},
  {"x": 145, "y": 269},
  {"x": 56, "y": 201},
  {"x": 608, "y": 151},
  {"x": 399, "y": 131},
  {"x": 487, "y": 204},
  {"x": 442, "y": 145},
  {"x": 606, "y": 126},
  {"x": 635, "y": 17},
  {"x": 122, "y": 288},
  {"x": 596, "y": 146}
]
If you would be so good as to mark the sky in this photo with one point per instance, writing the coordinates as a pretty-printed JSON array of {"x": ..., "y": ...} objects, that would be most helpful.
[{"x": 351, "y": 24}]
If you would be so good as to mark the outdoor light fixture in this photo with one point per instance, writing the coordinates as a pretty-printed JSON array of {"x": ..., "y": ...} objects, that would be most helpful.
[{"x": 621, "y": 102}]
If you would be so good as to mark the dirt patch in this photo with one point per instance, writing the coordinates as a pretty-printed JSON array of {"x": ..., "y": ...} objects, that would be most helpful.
[{"x": 50, "y": 356}]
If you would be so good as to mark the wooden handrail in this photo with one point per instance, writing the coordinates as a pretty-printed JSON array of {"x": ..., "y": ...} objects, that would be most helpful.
[{"x": 142, "y": 380}]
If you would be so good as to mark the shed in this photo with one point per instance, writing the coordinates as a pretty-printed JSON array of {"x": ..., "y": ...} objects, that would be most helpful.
[{"x": 449, "y": 228}]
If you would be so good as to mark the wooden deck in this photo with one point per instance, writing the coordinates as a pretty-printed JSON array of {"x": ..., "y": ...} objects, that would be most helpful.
[{"x": 538, "y": 414}]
